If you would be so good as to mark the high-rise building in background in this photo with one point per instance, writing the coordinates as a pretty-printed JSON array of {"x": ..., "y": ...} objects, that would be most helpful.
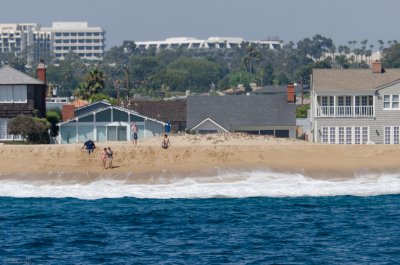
[{"x": 47, "y": 43}]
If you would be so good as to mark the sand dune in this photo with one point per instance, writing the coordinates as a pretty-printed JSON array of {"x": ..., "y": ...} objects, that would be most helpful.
[{"x": 194, "y": 153}]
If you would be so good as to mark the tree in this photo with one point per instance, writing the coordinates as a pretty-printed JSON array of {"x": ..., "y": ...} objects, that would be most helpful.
[
  {"x": 53, "y": 117},
  {"x": 391, "y": 56},
  {"x": 95, "y": 81},
  {"x": 33, "y": 130}
]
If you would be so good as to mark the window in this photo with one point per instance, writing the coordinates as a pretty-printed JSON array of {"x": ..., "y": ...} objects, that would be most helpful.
[
  {"x": 396, "y": 135},
  {"x": 13, "y": 94},
  {"x": 325, "y": 134},
  {"x": 391, "y": 102},
  {"x": 341, "y": 135},
  {"x": 348, "y": 135},
  {"x": 392, "y": 135},
  {"x": 395, "y": 101},
  {"x": 386, "y": 101},
  {"x": 364, "y": 135},
  {"x": 332, "y": 135},
  {"x": 387, "y": 135},
  {"x": 357, "y": 135}
]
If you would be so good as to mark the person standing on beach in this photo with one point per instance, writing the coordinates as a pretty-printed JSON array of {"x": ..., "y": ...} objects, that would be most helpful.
[
  {"x": 104, "y": 157},
  {"x": 165, "y": 142},
  {"x": 135, "y": 131},
  {"x": 110, "y": 154}
]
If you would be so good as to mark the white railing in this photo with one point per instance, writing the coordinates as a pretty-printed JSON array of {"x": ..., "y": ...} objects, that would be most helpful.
[{"x": 345, "y": 111}]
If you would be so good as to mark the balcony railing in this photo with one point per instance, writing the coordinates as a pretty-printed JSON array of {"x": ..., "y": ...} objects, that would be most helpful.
[{"x": 345, "y": 111}]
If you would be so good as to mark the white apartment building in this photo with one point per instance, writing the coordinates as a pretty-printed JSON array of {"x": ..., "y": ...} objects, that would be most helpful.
[
  {"x": 212, "y": 42},
  {"x": 78, "y": 37},
  {"x": 52, "y": 42}
]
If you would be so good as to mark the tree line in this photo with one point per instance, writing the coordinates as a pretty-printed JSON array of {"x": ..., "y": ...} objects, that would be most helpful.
[{"x": 127, "y": 69}]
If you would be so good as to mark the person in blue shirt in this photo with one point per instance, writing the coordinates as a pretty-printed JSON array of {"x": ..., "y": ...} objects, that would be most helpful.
[{"x": 90, "y": 146}]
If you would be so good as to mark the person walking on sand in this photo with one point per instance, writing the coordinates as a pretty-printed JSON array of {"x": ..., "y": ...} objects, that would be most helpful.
[
  {"x": 165, "y": 142},
  {"x": 135, "y": 131},
  {"x": 104, "y": 157},
  {"x": 90, "y": 146},
  {"x": 110, "y": 157}
]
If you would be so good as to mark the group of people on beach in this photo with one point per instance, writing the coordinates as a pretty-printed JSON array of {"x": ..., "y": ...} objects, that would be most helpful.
[
  {"x": 164, "y": 144},
  {"x": 107, "y": 158},
  {"x": 107, "y": 153}
]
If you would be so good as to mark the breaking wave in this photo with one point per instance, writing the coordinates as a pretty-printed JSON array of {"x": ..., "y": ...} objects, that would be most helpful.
[{"x": 225, "y": 184}]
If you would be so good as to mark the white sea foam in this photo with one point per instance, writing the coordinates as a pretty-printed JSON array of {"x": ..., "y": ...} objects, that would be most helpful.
[{"x": 225, "y": 184}]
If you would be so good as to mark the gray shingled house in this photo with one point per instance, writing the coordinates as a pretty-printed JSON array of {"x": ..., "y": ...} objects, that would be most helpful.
[
  {"x": 20, "y": 94},
  {"x": 355, "y": 106},
  {"x": 255, "y": 114}
]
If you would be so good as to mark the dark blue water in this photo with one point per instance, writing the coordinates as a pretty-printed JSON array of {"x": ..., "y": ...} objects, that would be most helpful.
[{"x": 313, "y": 230}]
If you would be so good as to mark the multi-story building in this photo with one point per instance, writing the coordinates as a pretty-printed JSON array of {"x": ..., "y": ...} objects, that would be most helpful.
[
  {"x": 41, "y": 43},
  {"x": 355, "y": 106},
  {"x": 77, "y": 37},
  {"x": 212, "y": 42}
]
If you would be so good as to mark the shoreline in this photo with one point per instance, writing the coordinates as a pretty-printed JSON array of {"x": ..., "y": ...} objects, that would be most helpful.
[{"x": 197, "y": 155}]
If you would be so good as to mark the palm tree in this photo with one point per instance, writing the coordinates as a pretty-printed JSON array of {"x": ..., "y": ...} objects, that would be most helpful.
[
  {"x": 381, "y": 45},
  {"x": 81, "y": 91},
  {"x": 95, "y": 81}
]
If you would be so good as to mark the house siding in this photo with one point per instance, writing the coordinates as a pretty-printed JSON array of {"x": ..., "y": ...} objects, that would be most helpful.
[
  {"x": 385, "y": 117},
  {"x": 375, "y": 124}
]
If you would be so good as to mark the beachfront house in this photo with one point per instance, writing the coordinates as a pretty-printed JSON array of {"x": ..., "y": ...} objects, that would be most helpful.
[
  {"x": 355, "y": 106},
  {"x": 254, "y": 114},
  {"x": 20, "y": 94},
  {"x": 101, "y": 122}
]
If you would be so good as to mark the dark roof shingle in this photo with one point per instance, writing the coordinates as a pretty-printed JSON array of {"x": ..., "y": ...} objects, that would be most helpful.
[
  {"x": 233, "y": 112},
  {"x": 166, "y": 111}
]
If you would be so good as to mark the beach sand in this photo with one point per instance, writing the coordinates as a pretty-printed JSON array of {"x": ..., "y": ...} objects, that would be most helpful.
[{"x": 196, "y": 154}]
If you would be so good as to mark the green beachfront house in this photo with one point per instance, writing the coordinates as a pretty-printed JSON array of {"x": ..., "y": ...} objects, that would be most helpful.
[{"x": 101, "y": 122}]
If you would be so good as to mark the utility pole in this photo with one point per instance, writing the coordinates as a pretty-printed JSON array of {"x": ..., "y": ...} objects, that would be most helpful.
[
  {"x": 127, "y": 84},
  {"x": 116, "y": 86}
]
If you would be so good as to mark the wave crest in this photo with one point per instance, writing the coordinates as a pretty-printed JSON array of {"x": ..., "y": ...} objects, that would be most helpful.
[{"x": 229, "y": 184}]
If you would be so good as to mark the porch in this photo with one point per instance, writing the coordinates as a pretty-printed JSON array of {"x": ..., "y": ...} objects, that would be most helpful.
[{"x": 345, "y": 106}]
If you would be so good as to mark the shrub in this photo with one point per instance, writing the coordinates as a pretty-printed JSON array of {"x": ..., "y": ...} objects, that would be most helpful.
[{"x": 33, "y": 130}]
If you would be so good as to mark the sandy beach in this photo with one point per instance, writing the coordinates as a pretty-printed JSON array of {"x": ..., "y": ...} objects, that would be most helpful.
[{"x": 195, "y": 154}]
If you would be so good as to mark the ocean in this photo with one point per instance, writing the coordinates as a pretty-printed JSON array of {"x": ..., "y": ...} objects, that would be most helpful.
[{"x": 248, "y": 217}]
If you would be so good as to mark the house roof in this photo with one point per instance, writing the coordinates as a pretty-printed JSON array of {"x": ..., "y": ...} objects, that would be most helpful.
[
  {"x": 102, "y": 108},
  {"x": 278, "y": 89},
  {"x": 167, "y": 111},
  {"x": 11, "y": 76},
  {"x": 331, "y": 80},
  {"x": 233, "y": 112}
]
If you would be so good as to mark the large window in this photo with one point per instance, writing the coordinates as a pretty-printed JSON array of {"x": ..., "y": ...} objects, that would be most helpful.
[
  {"x": 391, "y": 102},
  {"x": 392, "y": 135},
  {"x": 13, "y": 94},
  {"x": 345, "y": 135}
]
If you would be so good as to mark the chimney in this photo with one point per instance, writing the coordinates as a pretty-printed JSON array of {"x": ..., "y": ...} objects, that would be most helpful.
[
  {"x": 41, "y": 72},
  {"x": 377, "y": 67},
  {"x": 68, "y": 112},
  {"x": 291, "y": 93}
]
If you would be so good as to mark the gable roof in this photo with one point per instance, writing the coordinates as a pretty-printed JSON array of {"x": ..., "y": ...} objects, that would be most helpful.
[
  {"x": 110, "y": 107},
  {"x": 91, "y": 107},
  {"x": 11, "y": 76},
  {"x": 232, "y": 112},
  {"x": 327, "y": 80},
  {"x": 210, "y": 120},
  {"x": 167, "y": 111}
]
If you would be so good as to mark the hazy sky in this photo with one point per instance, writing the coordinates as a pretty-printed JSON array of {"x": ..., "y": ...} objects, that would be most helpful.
[{"x": 291, "y": 20}]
